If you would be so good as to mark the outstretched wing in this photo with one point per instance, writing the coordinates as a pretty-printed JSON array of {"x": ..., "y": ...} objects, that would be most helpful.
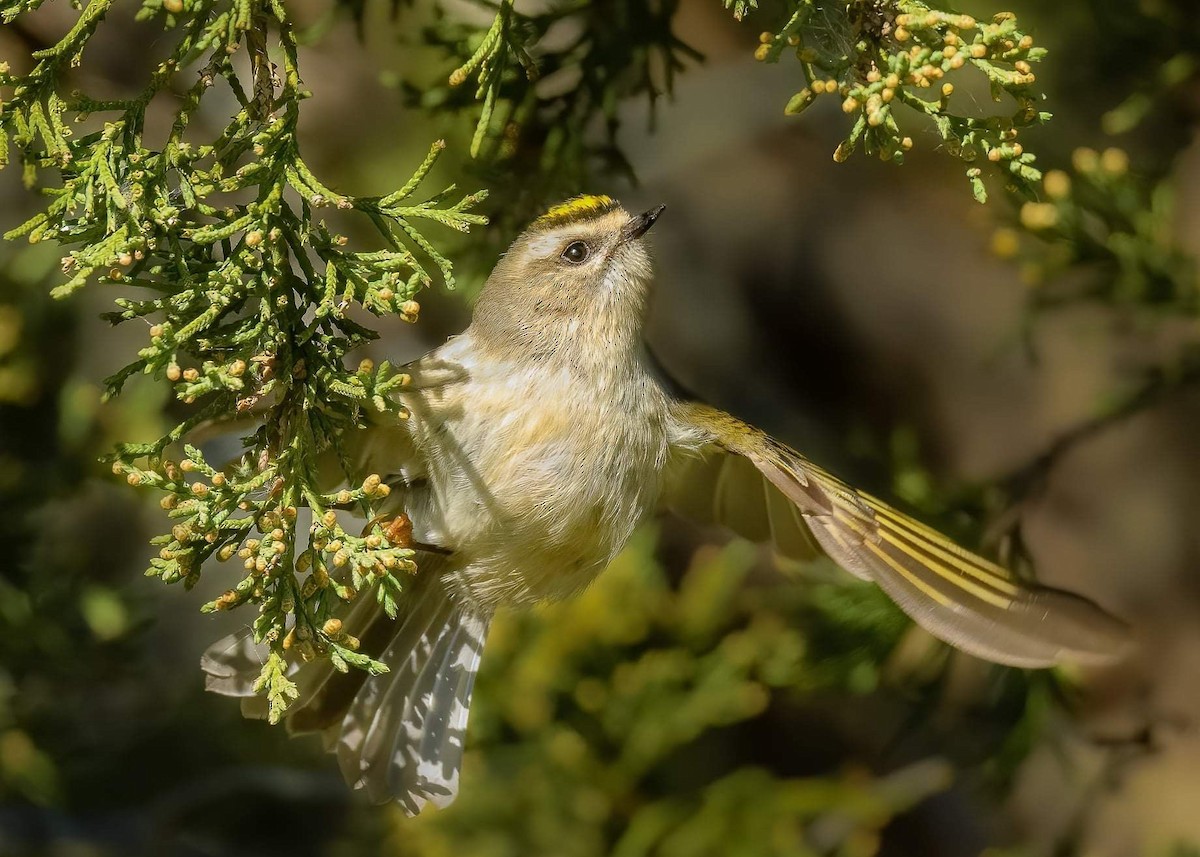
[{"x": 764, "y": 490}]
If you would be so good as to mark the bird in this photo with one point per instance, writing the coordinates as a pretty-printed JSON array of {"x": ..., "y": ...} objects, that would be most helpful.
[{"x": 529, "y": 449}]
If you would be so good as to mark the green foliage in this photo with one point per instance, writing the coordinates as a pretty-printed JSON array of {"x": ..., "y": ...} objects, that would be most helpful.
[
  {"x": 1117, "y": 227},
  {"x": 221, "y": 241},
  {"x": 882, "y": 56}
]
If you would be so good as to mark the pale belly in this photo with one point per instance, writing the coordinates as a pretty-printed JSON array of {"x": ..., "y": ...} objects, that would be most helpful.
[{"x": 534, "y": 482}]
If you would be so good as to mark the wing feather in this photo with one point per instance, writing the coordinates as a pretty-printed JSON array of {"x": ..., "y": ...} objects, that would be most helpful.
[{"x": 959, "y": 597}]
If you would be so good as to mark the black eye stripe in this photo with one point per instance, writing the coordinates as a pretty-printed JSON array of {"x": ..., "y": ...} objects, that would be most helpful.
[{"x": 576, "y": 252}]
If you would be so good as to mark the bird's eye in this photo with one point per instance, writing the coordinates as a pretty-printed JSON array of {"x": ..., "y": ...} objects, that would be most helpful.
[{"x": 576, "y": 252}]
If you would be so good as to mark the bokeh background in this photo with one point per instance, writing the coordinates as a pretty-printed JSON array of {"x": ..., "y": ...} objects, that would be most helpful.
[{"x": 701, "y": 699}]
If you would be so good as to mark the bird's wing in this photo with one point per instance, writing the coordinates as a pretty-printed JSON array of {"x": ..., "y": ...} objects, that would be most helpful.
[{"x": 764, "y": 490}]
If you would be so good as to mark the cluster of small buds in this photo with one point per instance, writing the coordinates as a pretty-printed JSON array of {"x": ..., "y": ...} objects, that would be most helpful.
[
  {"x": 1103, "y": 213},
  {"x": 264, "y": 559},
  {"x": 1058, "y": 206},
  {"x": 905, "y": 53},
  {"x": 193, "y": 383},
  {"x": 377, "y": 384},
  {"x": 349, "y": 564},
  {"x": 202, "y": 503}
]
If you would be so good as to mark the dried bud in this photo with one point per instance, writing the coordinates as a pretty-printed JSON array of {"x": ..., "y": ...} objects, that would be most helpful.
[
  {"x": 332, "y": 627},
  {"x": 399, "y": 531}
]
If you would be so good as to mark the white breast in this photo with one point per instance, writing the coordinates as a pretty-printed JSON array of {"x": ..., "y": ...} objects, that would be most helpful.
[{"x": 537, "y": 476}]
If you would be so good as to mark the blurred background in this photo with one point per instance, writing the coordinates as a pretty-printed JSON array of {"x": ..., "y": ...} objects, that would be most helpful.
[{"x": 702, "y": 698}]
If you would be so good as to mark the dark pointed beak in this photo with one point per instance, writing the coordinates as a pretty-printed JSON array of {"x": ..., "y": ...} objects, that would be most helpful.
[{"x": 640, "y": 224}]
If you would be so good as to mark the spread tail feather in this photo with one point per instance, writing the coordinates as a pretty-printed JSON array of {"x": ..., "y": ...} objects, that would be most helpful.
[
  {"x": 402, "y": 737},
  {"x": 399, "y": 736}
]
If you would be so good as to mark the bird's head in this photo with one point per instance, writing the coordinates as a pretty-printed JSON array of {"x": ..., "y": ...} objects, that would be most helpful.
[{"x": 576, "y": 280}]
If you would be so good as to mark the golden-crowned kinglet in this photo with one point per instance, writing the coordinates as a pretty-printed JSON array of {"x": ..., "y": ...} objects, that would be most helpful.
[{"x": 534, "y": 443}]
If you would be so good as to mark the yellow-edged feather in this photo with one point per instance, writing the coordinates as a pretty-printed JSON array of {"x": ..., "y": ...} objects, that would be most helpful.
[{"x": 960, "y": 597}]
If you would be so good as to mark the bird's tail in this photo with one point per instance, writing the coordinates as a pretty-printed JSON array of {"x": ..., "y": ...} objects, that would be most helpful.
[{"x": 399, "y": 736}]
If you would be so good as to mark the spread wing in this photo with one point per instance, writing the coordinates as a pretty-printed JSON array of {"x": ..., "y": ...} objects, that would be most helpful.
[{"x": 766, "y": 491}]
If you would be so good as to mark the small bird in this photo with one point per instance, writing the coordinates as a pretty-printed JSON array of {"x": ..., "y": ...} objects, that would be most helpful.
[{"x": 534, "y": 444}]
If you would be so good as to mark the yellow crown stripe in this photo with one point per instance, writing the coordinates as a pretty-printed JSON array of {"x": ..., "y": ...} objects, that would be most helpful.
[{"x": 576, "y": 208}]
